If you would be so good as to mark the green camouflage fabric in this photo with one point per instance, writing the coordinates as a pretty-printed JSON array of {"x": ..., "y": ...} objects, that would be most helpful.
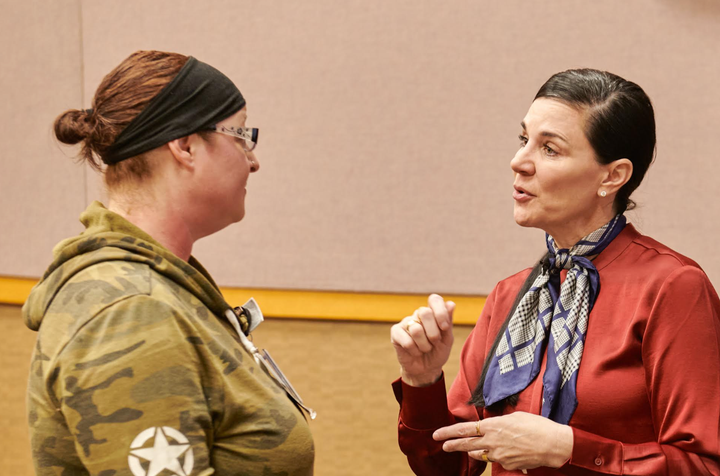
[{"x": 137, "y": 372}]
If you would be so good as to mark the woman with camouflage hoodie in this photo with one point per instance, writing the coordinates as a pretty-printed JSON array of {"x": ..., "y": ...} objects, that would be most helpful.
[{"x": 141, "y": 368}]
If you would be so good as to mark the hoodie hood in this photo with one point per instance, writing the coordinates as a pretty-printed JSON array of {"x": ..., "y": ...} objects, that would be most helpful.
[{"x": 110, "y": 237}]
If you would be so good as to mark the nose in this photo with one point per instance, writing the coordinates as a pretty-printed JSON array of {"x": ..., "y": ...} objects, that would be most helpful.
[
  {"x": 254, "y": 162},
  {"x": 522, "y": 162}
]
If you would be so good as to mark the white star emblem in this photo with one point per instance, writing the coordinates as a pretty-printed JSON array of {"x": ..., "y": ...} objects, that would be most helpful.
[{"x": 162, "y": 455}]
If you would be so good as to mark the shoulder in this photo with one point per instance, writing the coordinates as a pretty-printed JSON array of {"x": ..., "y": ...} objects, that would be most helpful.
[
  {"x": 635, "y": 259},
  {"x": 652, "y": 261},
  {"x": 88, "y": 292},
  {"x": 511, "y": 285},
  {"x": 142, "y": 332},
  {"x": 659, "y": 280},
  {"x": 109, "y": 279},
  {"x": 646, "y": 244},
  {"x": 504, "y": 293},
  {"x": 139, "y": 299},
  {"x": 107, "y": 284},
  {"x": 114, "y": 298}
]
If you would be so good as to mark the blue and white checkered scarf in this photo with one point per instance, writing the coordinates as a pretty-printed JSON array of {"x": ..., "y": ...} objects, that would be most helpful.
[{"x": 556, "y": 315}]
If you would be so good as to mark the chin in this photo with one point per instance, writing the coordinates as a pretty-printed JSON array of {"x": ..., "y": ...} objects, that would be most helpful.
[
  {"x": 238, "y": 216},
  {"x": 523, "y": 220},
  {"x": 236, "y": 210}
]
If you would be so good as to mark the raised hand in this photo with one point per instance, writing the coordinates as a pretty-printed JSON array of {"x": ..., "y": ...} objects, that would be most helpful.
[{"x": 423, "y": 341}]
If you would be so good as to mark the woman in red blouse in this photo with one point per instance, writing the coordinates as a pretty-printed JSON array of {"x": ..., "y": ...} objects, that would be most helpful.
[{"x": 604, "y": 358}]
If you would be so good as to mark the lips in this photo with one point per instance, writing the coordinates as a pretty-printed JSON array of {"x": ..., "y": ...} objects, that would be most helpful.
[
  {"x": 522, "y": 195},
  {"x": 522, "y": 191}
]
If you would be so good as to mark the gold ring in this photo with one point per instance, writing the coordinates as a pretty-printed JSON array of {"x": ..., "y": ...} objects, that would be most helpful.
[
  {"x": 485, "y": 458},
  {"x": 477, "y": 428}
]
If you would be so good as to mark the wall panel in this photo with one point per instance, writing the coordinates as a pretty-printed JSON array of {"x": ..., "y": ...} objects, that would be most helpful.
[
  {"x": 41, "y": 188},
  {"x": 387, "y": 127}
]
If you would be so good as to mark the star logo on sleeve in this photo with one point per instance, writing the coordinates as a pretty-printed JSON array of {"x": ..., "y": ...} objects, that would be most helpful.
[{"x": 175, "y": 457}]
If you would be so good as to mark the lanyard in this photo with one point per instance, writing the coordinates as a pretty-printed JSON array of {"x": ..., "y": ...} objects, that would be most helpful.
[{"x": 262, "y": 357}]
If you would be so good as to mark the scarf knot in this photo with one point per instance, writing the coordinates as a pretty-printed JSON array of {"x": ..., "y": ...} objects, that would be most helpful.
[
  {"x": 552, "y": 316},
  {"x": 561, "y": 260}
]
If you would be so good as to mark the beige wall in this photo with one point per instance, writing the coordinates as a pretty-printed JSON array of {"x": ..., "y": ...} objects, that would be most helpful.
[
  {"x": 387, "y": 127},
  {"x": 41, "y": 190}
]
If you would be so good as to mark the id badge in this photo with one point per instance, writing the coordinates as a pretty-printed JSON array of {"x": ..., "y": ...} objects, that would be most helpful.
[
  {"x": 285, "y": 383},
  {"x": 254, "y": 316}
]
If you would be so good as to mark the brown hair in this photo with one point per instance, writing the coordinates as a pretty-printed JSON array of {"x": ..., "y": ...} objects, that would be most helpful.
[{"x": 122, "y": 94}]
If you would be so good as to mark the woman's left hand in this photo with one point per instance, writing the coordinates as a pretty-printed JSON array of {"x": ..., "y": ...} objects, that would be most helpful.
[{"x": 517, "y": 441}]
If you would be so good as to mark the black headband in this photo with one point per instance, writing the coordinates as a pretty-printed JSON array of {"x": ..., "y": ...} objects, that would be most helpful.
[{"x": 198, "y": 97}]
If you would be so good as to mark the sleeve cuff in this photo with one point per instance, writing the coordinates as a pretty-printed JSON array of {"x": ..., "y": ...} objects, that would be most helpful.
[
  {"x": 596, "y": 453},
  {"x": 422, "y": 408}
]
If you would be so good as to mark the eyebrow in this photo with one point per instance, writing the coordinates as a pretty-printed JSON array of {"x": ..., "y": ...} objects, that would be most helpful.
[{"x": 547, "y": 133}]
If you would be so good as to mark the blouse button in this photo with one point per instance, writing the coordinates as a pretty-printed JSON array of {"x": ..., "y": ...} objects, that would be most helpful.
[{"x": 598, "y": 461}]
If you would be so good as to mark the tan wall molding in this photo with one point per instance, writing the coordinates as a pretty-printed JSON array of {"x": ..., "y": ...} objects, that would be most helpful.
[{"x": 298, "y": 304}]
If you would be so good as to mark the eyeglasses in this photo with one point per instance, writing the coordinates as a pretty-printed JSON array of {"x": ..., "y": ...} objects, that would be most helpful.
[{"x": 248, "y": 135}]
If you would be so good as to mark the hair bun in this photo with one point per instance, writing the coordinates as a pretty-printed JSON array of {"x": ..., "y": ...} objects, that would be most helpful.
[{"x": 73, "y": 126}]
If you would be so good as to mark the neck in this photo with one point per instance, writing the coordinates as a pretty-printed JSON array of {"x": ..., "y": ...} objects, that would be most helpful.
[
  {"x": 567, "y": 236},
  {"x": 161, "y": 221}
]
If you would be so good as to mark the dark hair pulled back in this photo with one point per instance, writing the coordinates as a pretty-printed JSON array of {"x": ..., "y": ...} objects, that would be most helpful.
[
  {"x": 119, "y": 98},
  {"x": 620, "y": 125}
]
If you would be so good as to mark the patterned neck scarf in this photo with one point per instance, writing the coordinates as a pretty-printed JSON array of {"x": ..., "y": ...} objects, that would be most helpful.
[{"x": 556, "y": 316}]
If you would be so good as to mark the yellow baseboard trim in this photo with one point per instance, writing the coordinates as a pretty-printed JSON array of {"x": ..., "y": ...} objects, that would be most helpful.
[
  {"x": 15, "y": 290},
  {"x": 296, "y": 304}
]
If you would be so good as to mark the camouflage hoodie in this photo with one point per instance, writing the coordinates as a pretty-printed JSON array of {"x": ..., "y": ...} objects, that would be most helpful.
[{"x": 137, "y": 373}]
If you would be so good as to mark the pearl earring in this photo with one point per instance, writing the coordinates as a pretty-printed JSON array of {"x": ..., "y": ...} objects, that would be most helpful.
[{"x": 603, "y": 193}]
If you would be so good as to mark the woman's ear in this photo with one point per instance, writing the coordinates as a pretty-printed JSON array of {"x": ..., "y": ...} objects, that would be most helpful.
[
  {"x": 618, "y": 174},
  {"x": 182, "y": 152}
]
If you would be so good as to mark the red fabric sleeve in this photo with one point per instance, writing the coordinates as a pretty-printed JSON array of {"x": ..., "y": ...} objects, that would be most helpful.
[
  {"x": 422, "y": 411},
  {"x": 425, "y": 409},
  {"x": 681, "y": 356}
]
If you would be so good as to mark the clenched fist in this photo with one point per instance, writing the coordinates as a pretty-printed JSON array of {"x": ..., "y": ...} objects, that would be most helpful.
[{"x": 423, "y": 341}]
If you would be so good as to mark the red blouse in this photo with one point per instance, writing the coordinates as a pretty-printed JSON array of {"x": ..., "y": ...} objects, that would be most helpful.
[{"x": 648, "y": 386}]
